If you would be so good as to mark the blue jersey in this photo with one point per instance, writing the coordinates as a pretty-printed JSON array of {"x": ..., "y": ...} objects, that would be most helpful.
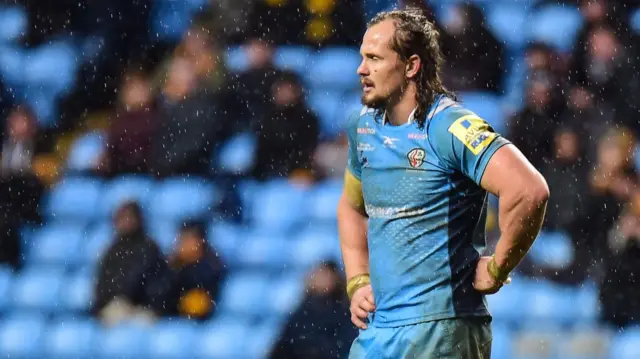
[{"x": 426, "y": 210}]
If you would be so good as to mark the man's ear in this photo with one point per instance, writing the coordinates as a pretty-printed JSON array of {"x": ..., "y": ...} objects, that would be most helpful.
[{"x": 413, "y": 66}]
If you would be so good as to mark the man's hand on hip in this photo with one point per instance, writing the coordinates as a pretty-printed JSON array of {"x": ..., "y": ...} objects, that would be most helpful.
[
  {"x": 362, "y": 304},
  {"x": 484, "y": 282}
]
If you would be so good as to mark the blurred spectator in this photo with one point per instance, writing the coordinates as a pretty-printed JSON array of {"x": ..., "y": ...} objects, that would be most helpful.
[
  {"x": 288, "y": 134},
  {"x": 474, "y": 57},
  {"x": 532, "y": 128},
  {"x": 130, "y": 265},
  {"x": 189, "y": 123},
  {"x": 196, "y": 276},
  {"x": 321, "y": 327},
  {"x": 620, "y": 287},
  {"x": 564, "y": 173},
  {"x": 331, "y": 157},
  {"x": 20, "y": 189},
  {"x": 133, "y": 125}
]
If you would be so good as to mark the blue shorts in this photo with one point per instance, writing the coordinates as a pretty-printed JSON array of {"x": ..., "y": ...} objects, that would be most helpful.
[{"x": 459, "y": 338}]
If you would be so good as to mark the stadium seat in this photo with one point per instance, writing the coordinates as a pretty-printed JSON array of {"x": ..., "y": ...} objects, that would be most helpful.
[
  {"x": 535, "y": 344},
  {"x": 263, "y": 338},
  {"x": 590, "y": 343},
  {"x": 236, "y": 59},
  {"x": 325, "y": 104},
  {"x": 507, "y": 23},
  {"x": 552, "y": 249},
  {"x": 286, "y": 294},
  {"x": 125, "y": 341},
  {"x": 264, "y": 251},
  {"x": 86, "y": 152},
  {"x": 335, "y": 69},
  {"x": 14, "y": 23},
  {"x": 57, "y": 244},
  {"x": 11, "y": 69},
  {"x": 172, "y": 339},
  {"x": 552, "y": 303},
  {"x": 243, "y": 294},
  {"x": 293, "y": 58},
  {"x": 314, "y": 244},
  {"x": 487, "y": 106},
  {"x": 324, "y": 201},
  {"x": 98, "y": 239},
  {"x": 170, "y": 19},
  {"x": 634, "y": 21},
  {"x": 43, "y": 103},
  {"x": 74, "y": 199},
  {"x": 223, "y": 338},
  {"x": 227, "y": 239},
  {"x": 279, "y": 206},
  {"x": 21, "y": 336},
  {"x": 77, "y": 292},
  {"x": 179, "y": 199},
  {"x": 126, "y": 188},
  {"x": 37, "y": 290},
  {"x": 164, "y": 233},
  {"x": 6, "y": 277},
  {"x": 71, "y": 338},
  {"x": 501, "y": 305},
  {"x": 626, "y": 344},
  {"x": 501, "y": 341},
  {"x": 246, "y": 190},
  {"x": 52, "y": 66},
  {"x": 237, "y": 155},
  {"x": 556, "y": 25}
]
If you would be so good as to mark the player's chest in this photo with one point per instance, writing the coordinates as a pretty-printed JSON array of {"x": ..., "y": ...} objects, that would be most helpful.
[{"x": 393, "y": 150}]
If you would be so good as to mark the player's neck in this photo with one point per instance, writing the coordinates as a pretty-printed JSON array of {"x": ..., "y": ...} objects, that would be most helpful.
[{"x": 398, "y": 112}]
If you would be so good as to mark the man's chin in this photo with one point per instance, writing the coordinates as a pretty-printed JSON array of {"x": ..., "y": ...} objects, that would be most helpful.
[{"x": 372, "y": 102}]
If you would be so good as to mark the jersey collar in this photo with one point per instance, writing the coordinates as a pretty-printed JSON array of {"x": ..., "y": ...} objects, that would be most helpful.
[{"x": 410, "y": 120}]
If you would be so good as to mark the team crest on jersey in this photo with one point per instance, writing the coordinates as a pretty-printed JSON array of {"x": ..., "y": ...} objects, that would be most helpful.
[{"x": 416, "y": 157}]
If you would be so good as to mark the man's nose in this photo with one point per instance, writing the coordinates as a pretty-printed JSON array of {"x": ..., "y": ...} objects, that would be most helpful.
[{"x": 362, "y": 69}]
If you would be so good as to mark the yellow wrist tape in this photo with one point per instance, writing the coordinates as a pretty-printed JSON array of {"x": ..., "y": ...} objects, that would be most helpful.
[
  {"x": 356, "y": 283},
  {"x": 497, "y": 274}
]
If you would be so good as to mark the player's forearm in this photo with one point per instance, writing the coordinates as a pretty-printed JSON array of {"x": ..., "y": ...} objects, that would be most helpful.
[
  {"x": 352, "y": 227},
  {"x": 521, "y": 216}
]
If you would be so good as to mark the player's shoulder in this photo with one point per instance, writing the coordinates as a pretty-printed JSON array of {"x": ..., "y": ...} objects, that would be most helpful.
[
  {"x": 451, "y": 114},
  {"x": 358, "y": 117}
]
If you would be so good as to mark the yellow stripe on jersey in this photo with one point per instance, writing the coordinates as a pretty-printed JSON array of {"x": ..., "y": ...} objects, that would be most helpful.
[
  {"x": 353, "y": 190},
  {"x": 473, "y": 131}
]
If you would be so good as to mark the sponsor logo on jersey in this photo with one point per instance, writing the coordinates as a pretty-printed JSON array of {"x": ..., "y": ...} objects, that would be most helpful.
[
  {"x": 417, "y": 136},
  {"x": 389, "y": 141},
  {"x": 365, "y": 147},
  {"x": 473, "y": 132},
  {"x": 416, "y": 157},
  {"x": 366, "y": 131}
]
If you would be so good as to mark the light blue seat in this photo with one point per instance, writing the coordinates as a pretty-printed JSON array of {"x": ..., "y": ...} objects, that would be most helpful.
[
  {"x": 626, "y": 344},
  {"x": 57, "y": 244},
  {"x": 125, "y": 341},
  {"x": 86, "y": 152},
  {"x": 335, "y": 68},
  {"x": 238, "y": 154},
  {"x": 21, "y": 336},
  {"x": 74, "y": 199},
  {"x": 172, "y": 339},
  {"x": 236, "y": 59},
  {"x": 552, "y": 249},
  {"x": 501, "y": 342},
  {"x": 43, "y": 103},
  {"x": 286, "y": 294},
  {"x": 324, "y": 199},
  {"x": 6, "y": 279},
  {"x": 77, "y": 292},
  {"x": 125, "y": 188},
  {"x": 243, "y": 294},
  {"x": 501, "y": 305},
  {"x": 223, "y": 338},
  {"x": 227, "y": 239},
  {"x": 11, "y": 69},
  {"x": 585, "y": 343},
  {"x": 246, "y": 190},
  {"x": 178, "y": 199},
  {"x": 14, "y": 23},
  {"x": 508, "y": 23},
  {"x": 292, "y": 58},
  {"x": 71, "y": 338},
  {"x": 314, "y": 244},
  {"x": 170, "y": 20},
  {"x": 551, "y": 303},
  {"x": 634, "y": 20},
  {"x": 350, "y": 104},
  {"x": 164, "y": 233},
  {"x": 99, "y": 238},
  {"x": 37, "y": 290},
  {"x": 487, "y": 106},
  {"x": 52, "y": 66},
  {"x": 325, "y": 104},
  {"x": 556, "y": 25},
  {"x": 279, "y": 206},
  {"x": 264, "y": 251},
  {"x": 263, "y": 338}
]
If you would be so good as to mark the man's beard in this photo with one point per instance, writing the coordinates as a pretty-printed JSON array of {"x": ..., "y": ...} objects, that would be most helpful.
[{"x": 376, "y": 103}]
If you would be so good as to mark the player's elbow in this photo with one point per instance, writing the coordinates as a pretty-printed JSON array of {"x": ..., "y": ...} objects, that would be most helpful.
[{"x": 537, "y": 191}]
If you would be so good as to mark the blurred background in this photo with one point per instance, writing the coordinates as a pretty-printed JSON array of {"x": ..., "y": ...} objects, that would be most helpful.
[{"x": 170, "y": 172}]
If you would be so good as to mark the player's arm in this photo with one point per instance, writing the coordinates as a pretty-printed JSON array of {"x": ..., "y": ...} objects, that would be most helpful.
[
  {"x": 469, "y": 145},
  {"x": 352, "y": 227},
  {"x": 523, "y": 195}
]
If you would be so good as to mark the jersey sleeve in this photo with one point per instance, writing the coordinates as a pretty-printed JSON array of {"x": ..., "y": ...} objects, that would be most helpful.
[
  {"x": 353, "y": 164},
  {"x": 464, "y": 142}
]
